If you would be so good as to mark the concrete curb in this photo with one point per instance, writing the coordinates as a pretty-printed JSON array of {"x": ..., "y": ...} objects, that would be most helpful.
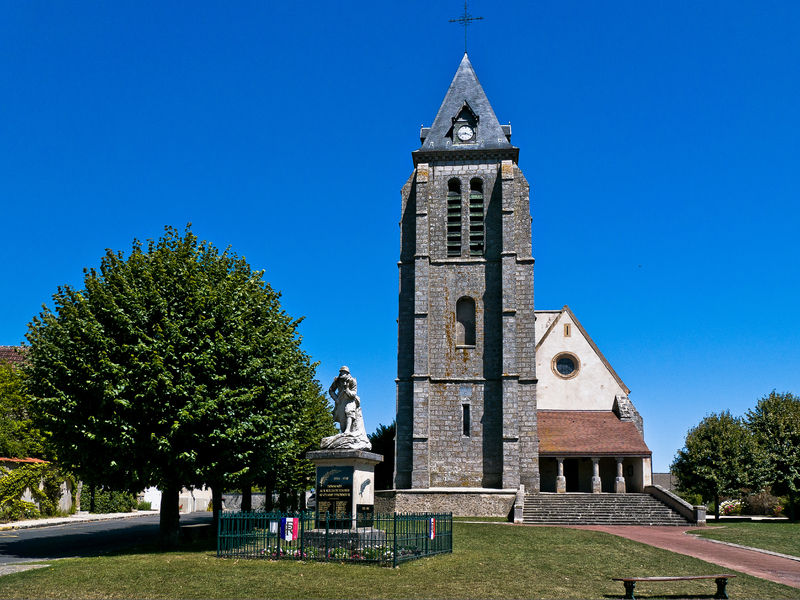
[
  {"x": 770, "y": 552},
  {"x": 74, "y": 519}
]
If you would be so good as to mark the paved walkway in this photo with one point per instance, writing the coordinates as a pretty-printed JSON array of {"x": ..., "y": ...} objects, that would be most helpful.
[
  {"x": 766, "y": 566},
  {"x": 79, "y": 517}
]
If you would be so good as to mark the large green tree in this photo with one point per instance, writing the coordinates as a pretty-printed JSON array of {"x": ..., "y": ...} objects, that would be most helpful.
[
  {"x": 775, "y": 422},
  {"x": 18, "y": 436},
  {"x": 720, "y": 458},
  {"x": 173, "y": 366},
  {"x": 382, "y": 440}
]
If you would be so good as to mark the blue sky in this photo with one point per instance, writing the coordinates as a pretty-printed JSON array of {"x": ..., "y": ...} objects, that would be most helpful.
[{"x": 660, "y": 140}]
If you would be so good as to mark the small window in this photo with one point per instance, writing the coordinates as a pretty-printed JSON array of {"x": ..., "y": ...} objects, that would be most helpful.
[
  {"x": 454, "y": 217},
  {"x": 466, "y": 421},
  {"x": 476, "y": 224},
  {"x": 567, "y": 330},
  {"x": 465, "y": 322},
  {"x": 566, "y": 365}
]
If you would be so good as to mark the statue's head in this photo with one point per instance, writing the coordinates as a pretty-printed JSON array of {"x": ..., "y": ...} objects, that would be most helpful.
[{"x": 343, "y": 369}]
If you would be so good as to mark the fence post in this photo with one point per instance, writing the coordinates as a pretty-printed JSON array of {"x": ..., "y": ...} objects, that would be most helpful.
[
  {"x": 327, "y": 530},
  {"x": 278, "y": 551},
  {"x": 394, "y": 536},
  {"x": 302, "y": 532}
]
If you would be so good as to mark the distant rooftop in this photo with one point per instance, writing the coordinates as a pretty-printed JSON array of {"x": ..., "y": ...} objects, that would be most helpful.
[{"x": 15, "y": 355}]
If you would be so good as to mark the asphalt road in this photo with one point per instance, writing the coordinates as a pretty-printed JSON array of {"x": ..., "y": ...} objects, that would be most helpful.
[{"x": 83, "y": 539}]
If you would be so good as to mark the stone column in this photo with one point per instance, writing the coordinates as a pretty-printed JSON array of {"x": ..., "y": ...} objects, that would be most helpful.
[
  {"x": 561, "y": 481},
  {"x": 619, "y": 483},
  {"x": 597, "y": 486}
]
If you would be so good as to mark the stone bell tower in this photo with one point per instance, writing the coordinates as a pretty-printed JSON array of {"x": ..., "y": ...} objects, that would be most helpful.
[{"x": 466, "y": 380}]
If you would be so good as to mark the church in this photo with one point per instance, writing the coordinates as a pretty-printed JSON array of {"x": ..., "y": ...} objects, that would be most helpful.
[{"x": 493, "y": 395}]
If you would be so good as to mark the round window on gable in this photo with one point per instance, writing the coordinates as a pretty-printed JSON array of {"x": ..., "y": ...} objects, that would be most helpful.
[{"x": 566, "y": 365}]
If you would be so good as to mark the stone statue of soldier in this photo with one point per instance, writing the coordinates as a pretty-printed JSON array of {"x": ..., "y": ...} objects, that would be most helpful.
[{"x": 347, "y": 412}]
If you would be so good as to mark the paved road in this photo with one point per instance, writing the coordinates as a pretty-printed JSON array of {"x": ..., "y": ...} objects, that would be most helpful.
[
  {"x": 775, "y": 568},
  {"x": 82, "y": 539}
]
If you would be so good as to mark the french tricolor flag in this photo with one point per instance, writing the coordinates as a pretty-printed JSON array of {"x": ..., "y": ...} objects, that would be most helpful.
[
  {"x": 289, "y": 528},
  {"x": 432, "y": 528}
]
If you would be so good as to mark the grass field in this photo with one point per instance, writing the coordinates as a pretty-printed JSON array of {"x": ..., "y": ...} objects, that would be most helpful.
[
  {"x": 781, "y": 536},
  {"x": 489, "y": 561}
]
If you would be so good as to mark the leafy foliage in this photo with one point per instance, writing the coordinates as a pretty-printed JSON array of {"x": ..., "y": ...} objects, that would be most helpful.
[
  {"x": 43, "y": 480},
  {"x": 174, "y": 366},
  {"x": 383, "y": 443},
  {"x": 110, "y": 501},
  {"x": 775, "y": 422},
  {"x": 18, "y": 437},
  {"x": 720, "y": 458}
]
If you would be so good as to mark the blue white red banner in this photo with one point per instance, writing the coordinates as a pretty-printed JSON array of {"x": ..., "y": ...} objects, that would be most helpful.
[{"x": 290, "y": 527}]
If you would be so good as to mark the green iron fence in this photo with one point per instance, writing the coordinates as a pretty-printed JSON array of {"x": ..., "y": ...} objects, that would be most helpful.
[{"x": 387, "y": 539}]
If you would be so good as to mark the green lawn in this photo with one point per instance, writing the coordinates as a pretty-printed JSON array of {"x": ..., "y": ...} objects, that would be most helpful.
[
  {"x": 490, "y": 561},
  {"x": 781, "y": 536}
]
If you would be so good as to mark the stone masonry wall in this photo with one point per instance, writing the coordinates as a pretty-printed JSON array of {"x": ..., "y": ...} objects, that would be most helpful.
[{"x": 461, "y": 504}]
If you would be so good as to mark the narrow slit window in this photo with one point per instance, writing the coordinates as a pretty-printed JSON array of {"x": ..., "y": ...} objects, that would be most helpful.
[
  {"x": 567, "y": 330},
  {"x": 466, "y": 421},
  {"x": 454, "y": 217},
  {"x": 465, "y": 322},
  {"x": 476, "y": 218}
]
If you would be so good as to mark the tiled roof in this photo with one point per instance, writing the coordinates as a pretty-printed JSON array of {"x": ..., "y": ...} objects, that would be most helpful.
[
  {"x": 13, "y": 354},
  {"x": 22, "y": 460},
  {"x": 588, "y": 433}
]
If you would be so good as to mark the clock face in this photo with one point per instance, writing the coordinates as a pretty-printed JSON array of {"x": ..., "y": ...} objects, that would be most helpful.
[{"x": 465, "y": 132}]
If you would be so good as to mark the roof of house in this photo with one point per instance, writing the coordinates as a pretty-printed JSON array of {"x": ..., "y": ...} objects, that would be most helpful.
[
  {"x": 14, "y": 355},
  {"x": 22, "y": 460},
  {"x": 588, "y": 433}
]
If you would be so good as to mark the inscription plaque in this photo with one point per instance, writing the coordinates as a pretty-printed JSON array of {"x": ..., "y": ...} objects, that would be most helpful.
[
  {"x": 334, "y": 496},
  {"x": 365, "y": 515}
]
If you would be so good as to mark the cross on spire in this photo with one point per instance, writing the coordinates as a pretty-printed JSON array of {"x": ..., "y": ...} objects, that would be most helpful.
[{"x": 466, "y": 19}]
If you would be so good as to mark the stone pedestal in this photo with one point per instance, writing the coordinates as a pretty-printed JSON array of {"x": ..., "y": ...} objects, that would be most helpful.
[{"x": 345, "y": 486}]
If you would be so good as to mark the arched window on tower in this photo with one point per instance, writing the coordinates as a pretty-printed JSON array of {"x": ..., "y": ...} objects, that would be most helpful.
[
  {"x": 465, "y": 321},
  {"x": 476, "y": 225},
  {"x": 454, "y": 217}
]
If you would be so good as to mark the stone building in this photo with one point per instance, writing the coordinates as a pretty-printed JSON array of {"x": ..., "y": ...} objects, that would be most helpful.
[{"x": 491, "y": 394}]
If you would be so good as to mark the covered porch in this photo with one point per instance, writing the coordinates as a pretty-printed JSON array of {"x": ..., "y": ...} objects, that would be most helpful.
[{"x": 591, "y": 452}]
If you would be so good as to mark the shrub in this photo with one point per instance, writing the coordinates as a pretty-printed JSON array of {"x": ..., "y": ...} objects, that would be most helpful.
[
  {"x": 692, "y": 498},
  {"x": 110, "y": 501},
  {"x": 44, "y": 482},
  {"x": 762, "y": 503},
  {"x": 143, "y": 505},
  {"x": 730, "y": 507}
]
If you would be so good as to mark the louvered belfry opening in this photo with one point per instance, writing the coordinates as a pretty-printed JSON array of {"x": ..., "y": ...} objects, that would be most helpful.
[
  {"x": 476, "y": 218},
  {"x": 454, "y": 218}
]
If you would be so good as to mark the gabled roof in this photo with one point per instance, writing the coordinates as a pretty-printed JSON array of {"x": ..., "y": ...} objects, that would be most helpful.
[
  {"x": 465, "y": 89},
  {"x": 22, "y": 460},
  {"x": 14, "y": 355},
  {"x": 589, "y": 339},
  {"x": 588, "y": 433}
]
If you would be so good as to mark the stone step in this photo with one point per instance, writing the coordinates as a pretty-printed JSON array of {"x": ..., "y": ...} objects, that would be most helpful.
[{"x": 598, "y": 509}]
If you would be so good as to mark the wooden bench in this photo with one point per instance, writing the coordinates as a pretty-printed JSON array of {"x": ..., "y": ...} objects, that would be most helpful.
[{"x": 722, "y": 582}]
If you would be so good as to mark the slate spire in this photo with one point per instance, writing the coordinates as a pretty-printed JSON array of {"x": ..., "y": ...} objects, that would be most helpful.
[{"x": 465, "y": 101}]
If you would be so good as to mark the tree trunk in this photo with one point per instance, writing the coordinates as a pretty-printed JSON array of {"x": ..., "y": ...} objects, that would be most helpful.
[
  {"x": 247, "y": 497},
  {"x": 169, "y": 517},
  {"x": 216, "y": 505},
  {"x": 716, "y": 507},
  {"x": 269, "y": 489},
  {"x": 91, "y": 498}
]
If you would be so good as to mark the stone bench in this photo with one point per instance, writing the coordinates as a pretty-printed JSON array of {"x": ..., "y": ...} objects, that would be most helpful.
[{"x": 630, "y": 582}]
